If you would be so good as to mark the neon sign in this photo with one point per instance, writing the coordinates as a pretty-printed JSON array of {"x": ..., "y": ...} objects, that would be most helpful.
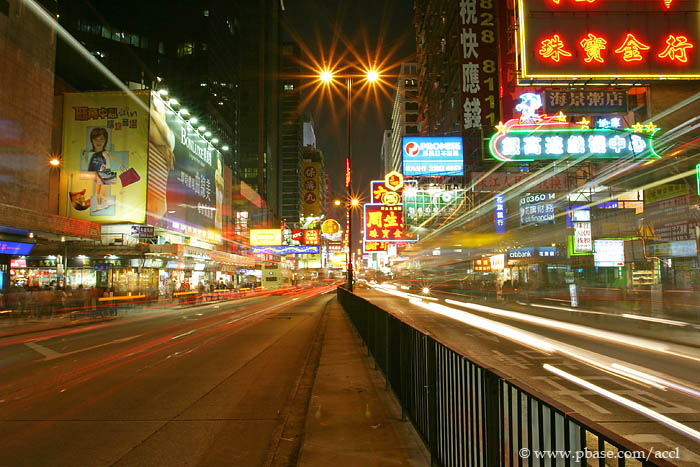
[
  {"x": 597, "y": 40},
  {"x": 552, "y": 138}
]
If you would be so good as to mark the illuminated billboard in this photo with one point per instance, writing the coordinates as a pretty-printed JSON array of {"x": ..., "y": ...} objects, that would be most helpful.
[
  {"x": 603, "y": 40},
  {"x": 105, "y": 137},
  {"x": 550, "y": 138},
  {"x": 185, "y": 176},
  {"x": 385, "y": 224},
  {"x": 265, "y": 237},
  {"x": 432, "y": 156}
]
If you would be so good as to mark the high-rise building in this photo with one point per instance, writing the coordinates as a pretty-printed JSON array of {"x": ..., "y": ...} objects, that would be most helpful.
[
  {"x": 404, "y": 116},
  {"x": 385, "y": 154},
  {"x": 192, "y": 51},
  {"x": 291, "y": 131}
]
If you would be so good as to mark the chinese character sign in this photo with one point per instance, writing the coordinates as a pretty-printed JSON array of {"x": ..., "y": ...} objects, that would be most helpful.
[
  {"x": 558, "y": 140},
  {"x": 311, "y": 189},
  {"x": 537, "y": 208},
  {"x": 384, "y": 224},
  {"x": 432, "y": 156},
  {"x": 624, "y": 39},
  {"x": 499, "y": 216},
  {"x": 585, "y": 102},
  {"x": 479, "y": 63}
]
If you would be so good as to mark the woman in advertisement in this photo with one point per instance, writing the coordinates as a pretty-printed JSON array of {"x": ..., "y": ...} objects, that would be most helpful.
[{"x": 100, "y": 163}]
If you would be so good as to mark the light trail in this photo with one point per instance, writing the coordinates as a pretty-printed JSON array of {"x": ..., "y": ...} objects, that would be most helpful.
[{"x": 639, "y": 408}]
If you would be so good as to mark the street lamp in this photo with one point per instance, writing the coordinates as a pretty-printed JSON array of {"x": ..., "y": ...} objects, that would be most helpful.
[{"x": 327, "y": 77}]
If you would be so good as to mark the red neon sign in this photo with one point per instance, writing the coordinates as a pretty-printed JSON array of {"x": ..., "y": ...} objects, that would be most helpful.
[
  {"x": 675, "y": 48},
  {"x": 631, "y": 49},
  {"x": 593, "y": 46},
  {"x": 553, "y": 48}
]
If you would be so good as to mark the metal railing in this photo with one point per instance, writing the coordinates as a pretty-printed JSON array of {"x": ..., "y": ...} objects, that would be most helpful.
[{"x": 471, "y": 415}]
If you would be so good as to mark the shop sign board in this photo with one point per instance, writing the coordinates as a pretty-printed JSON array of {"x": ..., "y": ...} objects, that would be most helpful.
[
  {"x": 421, "y": 204},
  {"x": 432, "y": 156},
  {"x": 18, "y": 263},
  {"x": 265, "y": 237},
  {"x": 677, "y": 249},
  {"x": 498, "y": 262},
  {"x": 482, "y": 265},
  {"x": 537, "y": 208},
  {"x": 185, "y": 176},
  {"x": 479, "y": 57},
  {"x": 384, "y": 224},
  {"x": 519, "y": 253},
  {"x": 500, "y": 181},
  {"x": 623, "y": 40},
  {"x": 597, "y": 102},
  {"x": 583, "y": 240},
  {"x": 142, "y": 231},
  {"x": 608, "y": 253},
  {"x": 105, "y": 157},
  {"x": 15, "y": 248},
  {"x": 499, "y": 214},
  {"x": 547, "y": 252},
  {"x": 664, "y": 192}
]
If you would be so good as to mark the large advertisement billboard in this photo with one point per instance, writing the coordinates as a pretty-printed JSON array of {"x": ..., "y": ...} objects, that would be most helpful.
[
  {"x": 620, "y": 40},
  {"x": 428, "y": 156},
  {"x": 105, "y": 138},
  {"x": 311, "y": 189},
  {"x": 185, "y": 176}
]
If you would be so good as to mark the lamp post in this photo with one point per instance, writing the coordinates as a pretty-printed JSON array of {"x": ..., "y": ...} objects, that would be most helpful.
[{"x": 327, "y": 77}]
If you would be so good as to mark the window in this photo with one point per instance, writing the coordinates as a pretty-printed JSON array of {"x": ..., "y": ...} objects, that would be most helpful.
[
  {"x": 205, "y": 12},
  {"x": 135, "y": 40},
  {"x": 289, "y": 87},
  {"x": 161, "y": 47},
  {"x": 411, "y": 106},
  {"x": 5, "y": 7},
  {"x": 105, "y": 33}
]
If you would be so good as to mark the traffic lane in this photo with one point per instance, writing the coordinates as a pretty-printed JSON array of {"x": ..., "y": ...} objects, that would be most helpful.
[
  {"x": 170, "y": 405},
  {"x": 526, "y": 365},
  {"x": 18, "y": 353}
]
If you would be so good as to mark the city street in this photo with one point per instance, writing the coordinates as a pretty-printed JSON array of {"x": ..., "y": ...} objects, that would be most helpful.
[
  {"x": 210, "y": 384},
  {"x": 660, "y": 376}
]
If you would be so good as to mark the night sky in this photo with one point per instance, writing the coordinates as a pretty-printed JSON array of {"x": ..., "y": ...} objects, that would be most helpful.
[{"x": 355, "y": 30}]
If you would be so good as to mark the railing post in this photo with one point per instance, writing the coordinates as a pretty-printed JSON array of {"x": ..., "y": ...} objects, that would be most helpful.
[
  {"x": 431, "y": 359},
  {"x": 492, "y": 414},
  {"x": 403, "y": 365}
]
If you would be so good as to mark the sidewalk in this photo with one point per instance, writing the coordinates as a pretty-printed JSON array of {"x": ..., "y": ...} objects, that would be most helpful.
[{"x": 352, "y": 419}]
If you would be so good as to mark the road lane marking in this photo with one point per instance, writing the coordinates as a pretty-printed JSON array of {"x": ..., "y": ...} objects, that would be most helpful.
[{"x": 45, "y": 351}]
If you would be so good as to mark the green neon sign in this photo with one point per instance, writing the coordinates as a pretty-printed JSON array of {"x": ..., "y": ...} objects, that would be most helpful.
[{"x": 552, "y": 140}]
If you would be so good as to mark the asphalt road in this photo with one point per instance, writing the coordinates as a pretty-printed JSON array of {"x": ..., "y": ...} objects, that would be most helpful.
[
  {"x": 667, "y": 378},
  {"x": 207, "y": 385}
]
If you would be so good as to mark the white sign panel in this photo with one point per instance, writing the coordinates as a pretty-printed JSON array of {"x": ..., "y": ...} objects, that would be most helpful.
[
  {"x": 582, "y": 236},
  {"x": 608, "y": 253}
]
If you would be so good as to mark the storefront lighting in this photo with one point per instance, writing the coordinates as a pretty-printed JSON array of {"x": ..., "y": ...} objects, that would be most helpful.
[
  {"x": 215, "y": 140},
  {"x": 194, "y": 120},
  {"x": 55, "y": 161},
  {"x": 31, "y": 234},
  {"x": 63, "y": 239},
  {"x": 201, "y": 128},
  {"x": 207, "y": 134},
  {"x": 173, "y": 101},
  {"x": 163, "y": 92},
  {"x": 184, "y": 112}
]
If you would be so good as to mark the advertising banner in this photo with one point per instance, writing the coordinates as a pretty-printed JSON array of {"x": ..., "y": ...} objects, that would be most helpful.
[
  {"x": 426, "y": 156},
  {"x": 499, "y": 212},
  {"x": 436, "y": 203},
  {"x": 185, "y": 176},
  {"x": 105, "y": 137},
  {"x": 311, "y": 189}
]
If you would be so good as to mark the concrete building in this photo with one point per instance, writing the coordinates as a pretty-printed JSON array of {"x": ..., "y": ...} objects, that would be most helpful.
[
  {"x": 385, "y": 154},
  {"x": 404, "y": 116}
]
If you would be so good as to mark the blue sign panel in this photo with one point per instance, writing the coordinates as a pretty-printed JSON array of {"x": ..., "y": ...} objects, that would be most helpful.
[
  {"x": 547, "y": 251},
  {"x": 15, "y": 248},
  {"x": 537, "y": 208},
  {"x": 428, "y": 156},
  {"x": 285, "y": 250},
  {"x": 499, "y": 216}
]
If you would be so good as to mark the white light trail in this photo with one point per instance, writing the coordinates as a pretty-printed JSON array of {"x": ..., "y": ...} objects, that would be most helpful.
[{"x": 639, "y": 408}]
